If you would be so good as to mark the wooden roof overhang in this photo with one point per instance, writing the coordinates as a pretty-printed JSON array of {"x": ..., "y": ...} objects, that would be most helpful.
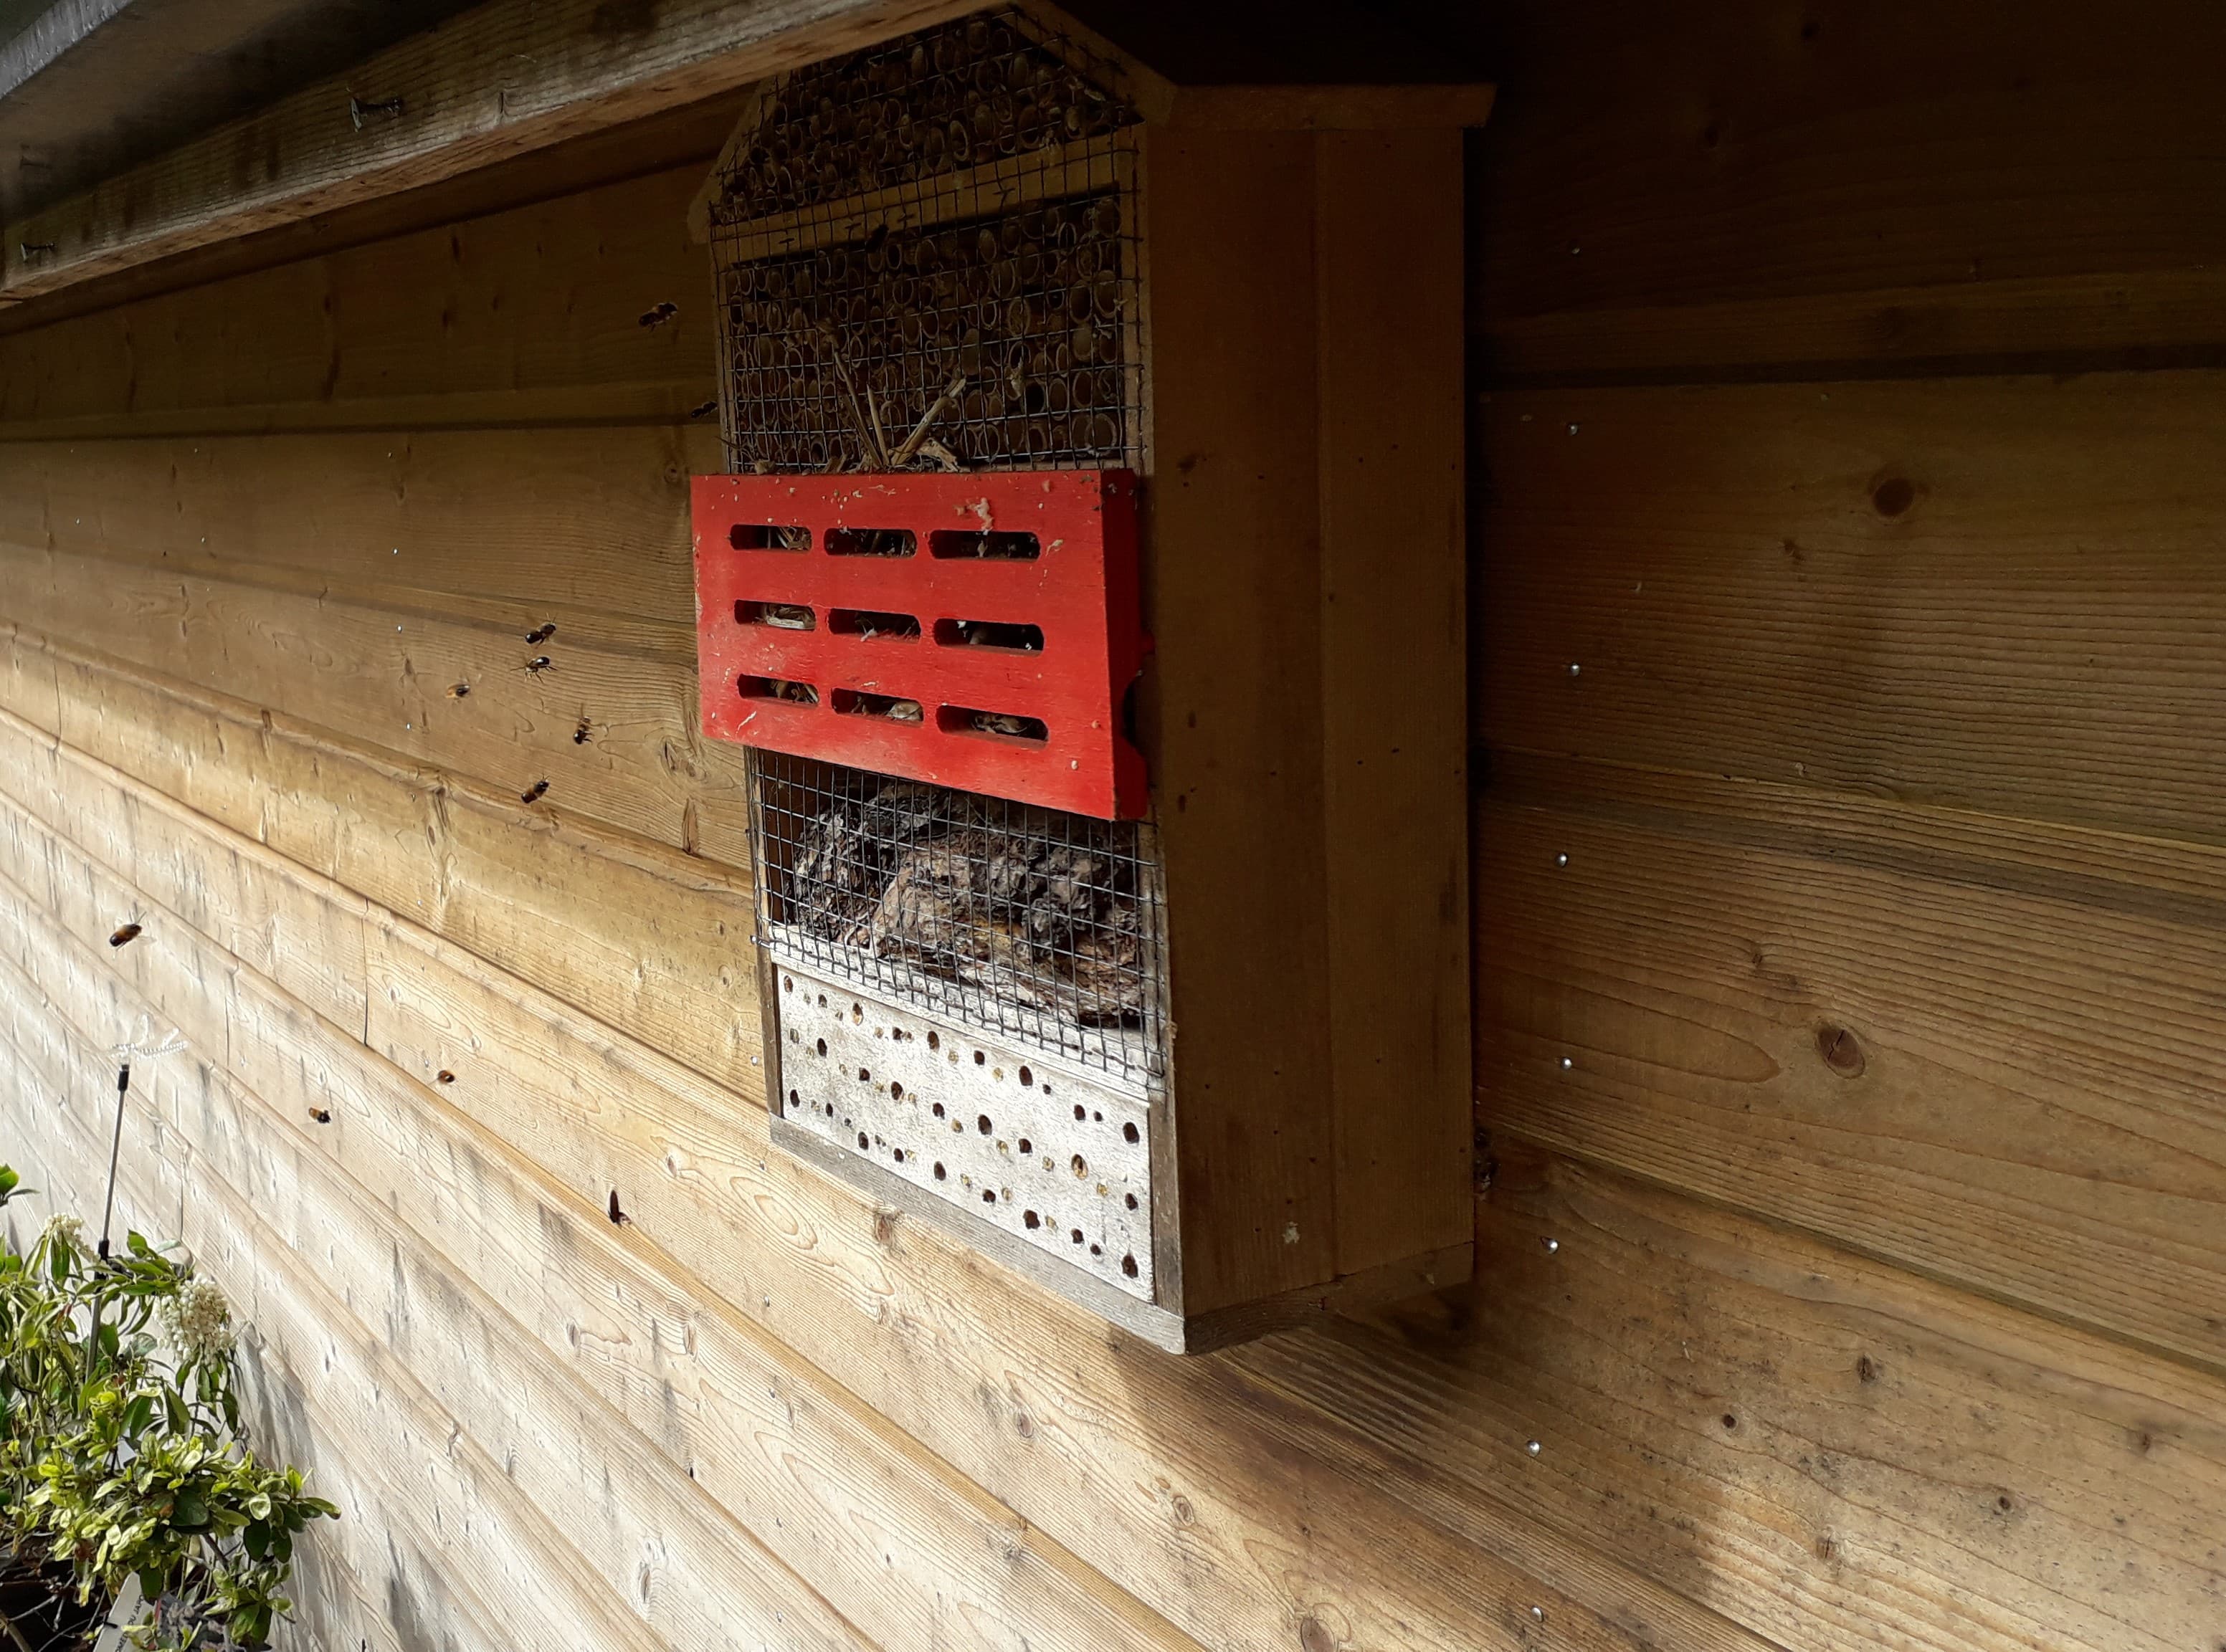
[{"x": 511, "y": 77}]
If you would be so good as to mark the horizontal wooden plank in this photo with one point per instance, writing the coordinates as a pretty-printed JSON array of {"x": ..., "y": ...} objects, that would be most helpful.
[
  {"x": 709, "y": 1582},
  {"x": 685, "y": 137},
  {"x": 375, "y": 1191},
  {"x": 2001, "y": 594},
  {"x": 588, "y": 523},
  {"x": 433, "y": 1020},
  {"x": 1983, "y": 1050},
  {"x": 644, "y": 937},
  {"x": 386, "y": 676},
  {"x": 1841, "y": 1454},
  {"x": 472, "y": 1562},
  {"x": 332, "y": 1606},
  {"x": 1167, "y": 1474},
  {"x": 2069, "y": 323},
  {"x": 1769, "y": 152},
  {"x": 501, "y": 79},
  {"x": 534, "y": 312}
]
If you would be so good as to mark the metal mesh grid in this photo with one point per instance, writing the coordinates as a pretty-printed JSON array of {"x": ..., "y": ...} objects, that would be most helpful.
[
  {"x": 927, "y": 257},
  {"x": 1023, "y": 922}
]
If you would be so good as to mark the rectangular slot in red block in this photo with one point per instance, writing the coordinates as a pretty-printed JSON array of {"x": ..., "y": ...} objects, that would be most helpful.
[{"x": 979, "y": 630}]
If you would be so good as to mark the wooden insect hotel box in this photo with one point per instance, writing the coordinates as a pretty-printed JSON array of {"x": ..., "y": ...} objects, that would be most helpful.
[{"x": 1088, "y": 563}]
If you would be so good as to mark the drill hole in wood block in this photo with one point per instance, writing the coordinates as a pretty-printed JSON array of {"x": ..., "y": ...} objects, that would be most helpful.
[
  {"x": 872, "y": 541},
  {"x": 786, "y": 616},
  {"x": 989, "y": 633},
  {"x": 777, "y": 688},
  {"x": 951, "y": 544},
  {"x": 849, "y": 702},
  {"x": 764, "y": 535},
  {"x": 1008, "y": 727},
  {"x": 872, "y": 622}
]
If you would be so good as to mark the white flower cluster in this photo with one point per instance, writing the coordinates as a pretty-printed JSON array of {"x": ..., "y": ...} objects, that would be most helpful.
[
  {"x": 68, "y": 1229},
  {"x": 199, "y": 1320}
]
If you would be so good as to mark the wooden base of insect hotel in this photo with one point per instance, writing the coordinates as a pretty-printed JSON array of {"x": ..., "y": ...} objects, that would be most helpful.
[{"x": 1180, "y": 1031}]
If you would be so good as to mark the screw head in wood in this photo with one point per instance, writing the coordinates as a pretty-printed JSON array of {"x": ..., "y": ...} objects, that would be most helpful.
[
  {"x": 1533, "y": 1447},
  {"x": 1575, "y": 669},
  {"x": 1561, "y": 860},
  {"x": 1567, "y": 1063},
  {"x": 1552, "y": 1245}
]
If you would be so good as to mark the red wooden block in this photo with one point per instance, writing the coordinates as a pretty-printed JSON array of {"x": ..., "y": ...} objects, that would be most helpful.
[{"x": 979, "y": 630}]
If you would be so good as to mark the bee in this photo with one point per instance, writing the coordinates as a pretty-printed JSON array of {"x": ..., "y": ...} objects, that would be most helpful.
[
  {"x": 322, "y": 1114},
  {"x": 126, "y": 936},
  {"x": 542, "y": 633},
  {"x": 535, "y": 792},
  {"x": 658, "y": 315},
  {"x": 619, "y": 1218},
  {"x": 445, "y": 1077},
  {"x": 459, "y": 690},
  {"x": 580, "y": 734},
  {"x": 539, "y": 663},
  {"x": 704, "y": 411}
]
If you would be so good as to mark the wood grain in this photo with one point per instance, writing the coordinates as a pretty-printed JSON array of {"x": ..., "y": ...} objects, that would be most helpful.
[
  {"x": 380, "y": 666},
  {"x": 1839, "y": 1454},
  {"x": 2111, "y": 321},
  {"x": 589, "y": 523},
  {"x": 375, "y": 1192},
  {"x": 1235, "y": 739},
  {"x": 533, "y": 312},
  {"x": 2001, "y": 1075},
  {"x": 1424, "y": 1448},
  {"x": 501, "y": 79},
  {"x": 441, "y": 1525},
  {"x": 1388, "y": 262},
  {"x": 1162, "y": 1472},
  {"x": 647, "y": 938},
  {"x": 1768, "y": 151},
  {"x": 1998, "y": 594}
]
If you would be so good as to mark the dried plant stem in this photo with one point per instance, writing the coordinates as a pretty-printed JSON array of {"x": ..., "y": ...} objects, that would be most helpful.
[
  {"x": 917, "y": 440},
  {"x": 870, "y": 427}
]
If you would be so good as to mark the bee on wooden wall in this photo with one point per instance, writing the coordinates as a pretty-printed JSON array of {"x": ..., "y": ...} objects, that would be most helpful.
[
  {"x": 542, "y": 633},
  {"x": 125, "y": 935},
  {"x": 535, "y": 792}
]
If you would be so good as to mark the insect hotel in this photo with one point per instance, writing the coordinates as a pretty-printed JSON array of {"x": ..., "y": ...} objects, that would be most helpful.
[
  {"x": 878, "y": 824},
  {"x": 1019, "y": 849}
]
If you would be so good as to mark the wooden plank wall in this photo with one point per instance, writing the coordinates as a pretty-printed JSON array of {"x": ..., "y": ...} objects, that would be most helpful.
[{"x": 1850, "y": 391}]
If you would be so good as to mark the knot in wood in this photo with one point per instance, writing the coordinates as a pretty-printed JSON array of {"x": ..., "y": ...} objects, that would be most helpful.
[{"x": 1841, "y": 1053}]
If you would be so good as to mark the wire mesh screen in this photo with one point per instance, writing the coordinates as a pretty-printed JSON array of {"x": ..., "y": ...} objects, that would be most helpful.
[
  {"x": 1023, "y": 922},
  {"x": 927, "y": 257}
]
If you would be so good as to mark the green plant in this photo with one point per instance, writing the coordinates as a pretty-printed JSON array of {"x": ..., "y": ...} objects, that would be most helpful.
[{"x": 120, "y": 1448}]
